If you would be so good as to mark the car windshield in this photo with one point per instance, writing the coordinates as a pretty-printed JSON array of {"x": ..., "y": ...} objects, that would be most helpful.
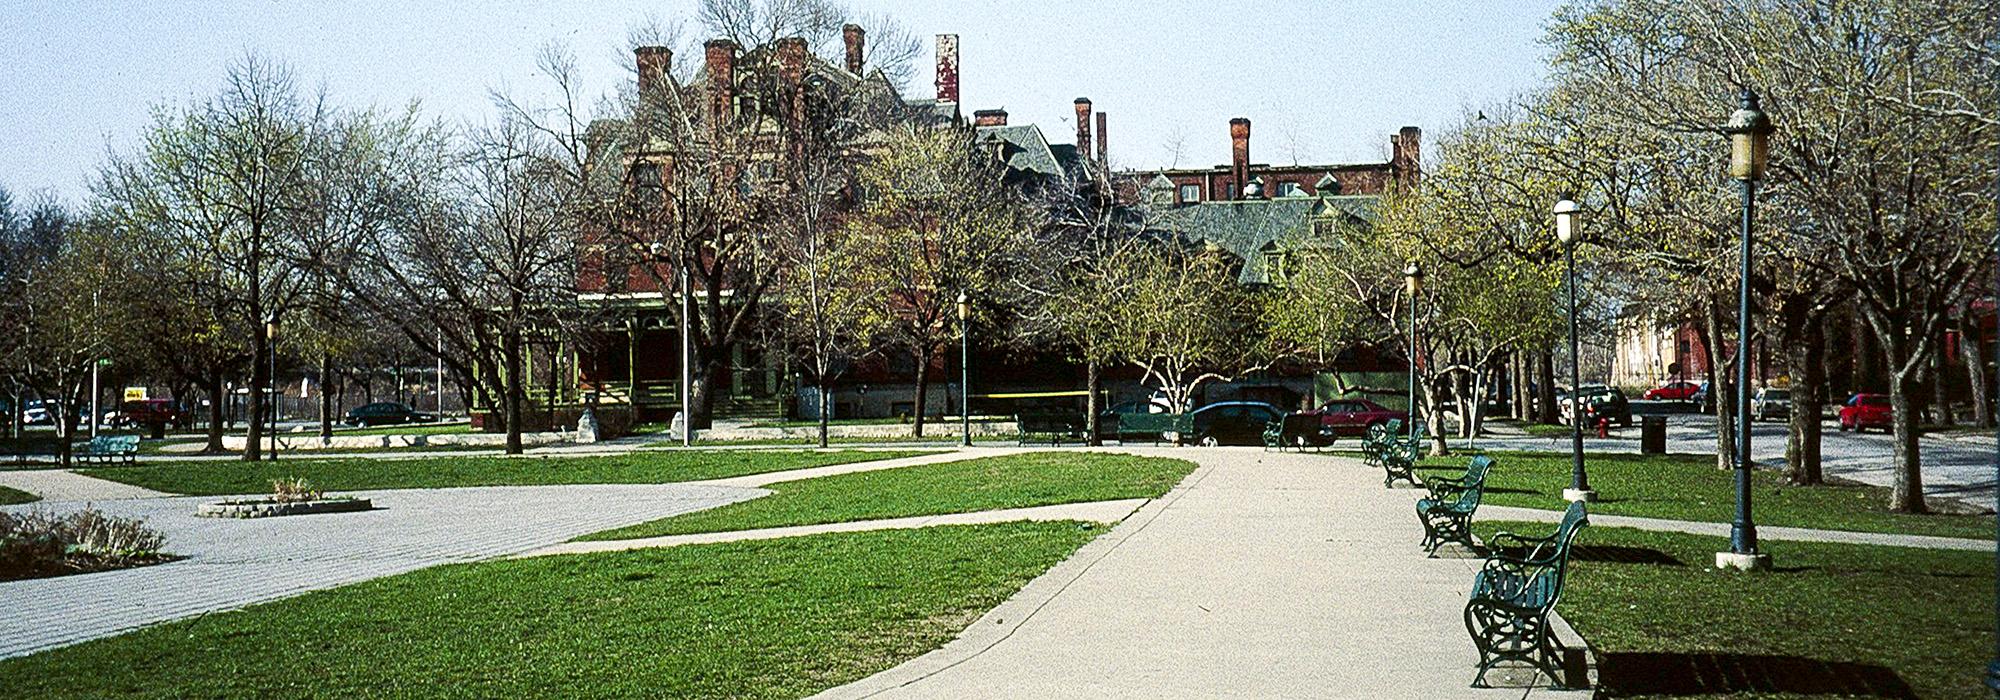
[{"x": 1777, "y": 395}]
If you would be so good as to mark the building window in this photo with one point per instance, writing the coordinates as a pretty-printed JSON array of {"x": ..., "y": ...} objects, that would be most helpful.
[
  {"x": 1277, "y": 268},
  {"x": 1190, "y": 194},
  {"x": 1288, "y": 189}
]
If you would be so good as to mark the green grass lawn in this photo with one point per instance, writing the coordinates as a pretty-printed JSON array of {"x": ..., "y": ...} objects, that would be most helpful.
[
  {"x": 404, "y": 429},
  {"x": 1545, "y": 430},
  {"x": 768, "y": 619},
  {"x": 231, "y": 477},
  {"x": 988, "y": 483},
  {"x": 1830, "y": 620},
  {"x": 813, "y": 440},
  {"x": 9, "y": 497},
  {"x": 1689, "y": 487}
]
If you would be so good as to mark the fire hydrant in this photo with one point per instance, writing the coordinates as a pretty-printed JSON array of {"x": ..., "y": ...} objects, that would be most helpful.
[{"x": 1604, "y": 427}]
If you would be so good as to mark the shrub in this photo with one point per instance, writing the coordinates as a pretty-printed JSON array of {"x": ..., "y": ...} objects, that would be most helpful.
[
  {"x": 294, "y": 490},
  {"x": 39, "y": 544}
]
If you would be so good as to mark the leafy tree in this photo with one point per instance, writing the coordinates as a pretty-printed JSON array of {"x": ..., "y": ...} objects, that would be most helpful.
[{"x": 1181, "y": 317}]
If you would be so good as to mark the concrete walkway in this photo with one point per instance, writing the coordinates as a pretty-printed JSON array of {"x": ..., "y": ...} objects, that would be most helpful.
[
  {"x": 1093, "y": 511},
  {"x": 234, "y": 563},
  {"x": 58, "y": 485},
  {"x": 1262, "y": 575},
  {"x": 1764, "y": 532}
]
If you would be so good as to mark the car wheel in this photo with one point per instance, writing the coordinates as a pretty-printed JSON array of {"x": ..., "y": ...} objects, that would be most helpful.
[
  {"x": 1210, "y": 441},
  {"x": 1843, "y": 426}
]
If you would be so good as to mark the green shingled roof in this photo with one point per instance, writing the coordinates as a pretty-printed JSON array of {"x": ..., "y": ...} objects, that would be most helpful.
[{"x": 1250, "y": 228}]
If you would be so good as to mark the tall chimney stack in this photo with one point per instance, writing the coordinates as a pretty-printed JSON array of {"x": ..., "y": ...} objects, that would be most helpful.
[
  {"x": 1103, "y": 142},
  {"x": 720, "y": 59},
  {"x": 792, "y": 72},
  {"x": 653, "y": 64},
  {"x": 947, "y": 68},
  {"x": 1083, "y": 127},
  {"x": 1239, "y": 170},
  {"x": 857, "y": 41},
  {"x": 1406, "y": 160},
  {"x": 989, "y": 117}
]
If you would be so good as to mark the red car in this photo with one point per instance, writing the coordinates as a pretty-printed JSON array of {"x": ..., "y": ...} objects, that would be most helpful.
[
  {"x": 1353, "y": 416},
  {"x": 1865, "y": 411},
  {"x": 1672, "y": 391}
]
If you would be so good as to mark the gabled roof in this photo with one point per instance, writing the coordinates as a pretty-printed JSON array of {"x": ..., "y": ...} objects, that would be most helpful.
[
  {"x": 1025, "y": 149},
  {"x": 1250, "y": 228}
]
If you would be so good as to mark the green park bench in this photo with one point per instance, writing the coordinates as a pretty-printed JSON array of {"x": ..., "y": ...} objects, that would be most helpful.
[
  {"x": 1149, "y": 426},
  {"x": 1400, "y": 457},
  {"x": 1297, "y": 430},
  {"x": 1447, "y": 512},
  {"x": 1378, "y": 439},
  {"x": 1053, "y": 427},
  {"x": 27, "y": 448},
  {"x": 1513, "y": 594},
  {"x": 106, "y": 449}
]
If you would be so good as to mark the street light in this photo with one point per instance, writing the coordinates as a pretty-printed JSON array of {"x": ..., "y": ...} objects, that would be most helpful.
[
  {"x": 1413, "y": 280},
  {"x": 965, "y": 369},
  {"x": 1749, "y": 131},
  {"x": 1569, "y": 228}
]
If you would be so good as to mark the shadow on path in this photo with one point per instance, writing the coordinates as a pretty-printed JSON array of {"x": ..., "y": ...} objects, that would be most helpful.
[{"x": 1628, "y": 674}]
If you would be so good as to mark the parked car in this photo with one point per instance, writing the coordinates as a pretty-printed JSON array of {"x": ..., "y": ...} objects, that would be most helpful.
[
  {"x": 1864, "y": 411},
  {"x": 1354, "y": 416},
  {"x": 1599, "y": 401},
  {"x": 1673, "y": 391},
  {"x": 148, "y": 412},
  {"x": 1771, "y": 404},
  {"x": 1107, "y": 421},
  {"x": 385, "y": 413},
  {"x": 1230, "y": 423}
]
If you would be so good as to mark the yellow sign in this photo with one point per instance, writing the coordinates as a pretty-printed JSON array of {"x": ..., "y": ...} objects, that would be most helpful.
[{"x": 135, "y": 393}]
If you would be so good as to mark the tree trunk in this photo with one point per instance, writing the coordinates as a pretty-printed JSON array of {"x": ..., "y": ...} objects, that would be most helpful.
[
  {"x": 923, "y": 389},
  {"x": 701, "y": 403},
  {"x": 217, "y": 396},
  {"x": 1722, "y": 388},
  {"x": 1091, "y": 385},
  {"x": 1545, "y": 388},
  {"x": 326, "y": 404},
  {"x": 1940, "y": 398},
  {"x": 1472, "y": 410},
  {"x": 825, "y": 409},
  {"x": 1972, "y": 345},
  {"x": 514, "y": 399},
  {"x": 253, "y": 403},
  {"x": 1906, "y": 492},
  {"x": 1807, "y": 358}
]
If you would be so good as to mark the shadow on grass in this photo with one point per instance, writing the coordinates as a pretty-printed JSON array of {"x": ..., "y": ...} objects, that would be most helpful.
[
  {"x": 1629, "y": 674},
  {"x": 1618, "y": 554}
]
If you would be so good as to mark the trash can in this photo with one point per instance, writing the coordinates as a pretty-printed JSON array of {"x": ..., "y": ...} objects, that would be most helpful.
[{"x": 1653, "y": 435}]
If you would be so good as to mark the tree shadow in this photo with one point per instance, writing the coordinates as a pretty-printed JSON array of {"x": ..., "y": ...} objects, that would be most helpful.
[
  {"x": 1603, "y": 553},
  {"x": 1628, "y": 674}
]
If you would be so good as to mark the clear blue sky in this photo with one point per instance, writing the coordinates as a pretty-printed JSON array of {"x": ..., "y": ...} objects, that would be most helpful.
[{"x": 1329, "y": 80}]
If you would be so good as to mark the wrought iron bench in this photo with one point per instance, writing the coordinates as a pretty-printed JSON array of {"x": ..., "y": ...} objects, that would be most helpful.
[
  {"x": 1297, "y": 430},
  {"x": 105, "y": 449},
  {"x": 1400, "y": 457},
  {"x": 1447, "y": 512},
  {"x": 1513, "y": 594},
  {"x": 1148, "y": 426},
  {"x": 1053, "y": 427},
  {"x": 1377, "y": 440},
  {"x": 25, "y": 448}
]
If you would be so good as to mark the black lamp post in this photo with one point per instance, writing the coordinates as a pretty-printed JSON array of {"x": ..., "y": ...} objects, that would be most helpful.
[
  {"x": 1749, "y": 131},
  {"x": 1569, "y": 227},
  {"x": 1413, "y": 281},
  {"x": 271, "y": 406},
  {"x": 964, "y": 369}
]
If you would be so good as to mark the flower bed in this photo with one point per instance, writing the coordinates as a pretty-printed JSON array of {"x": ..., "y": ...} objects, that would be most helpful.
[
  {"x": 267, "y": 508},
  {"x": 40, "y": 544}
]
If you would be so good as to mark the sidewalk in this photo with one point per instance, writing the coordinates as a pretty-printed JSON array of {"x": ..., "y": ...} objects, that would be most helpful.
[
  {"x": 1261, "y": 575},
  {"x": 57, "y": 485}
]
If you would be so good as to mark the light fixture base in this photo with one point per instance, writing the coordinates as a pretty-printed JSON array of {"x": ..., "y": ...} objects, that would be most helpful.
[
  {"x": 1583, "y": 495},
  {"x": 1742, "y": 562}
]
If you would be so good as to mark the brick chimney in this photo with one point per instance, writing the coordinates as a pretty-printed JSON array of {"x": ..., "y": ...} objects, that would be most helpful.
[
  {"x": 947, "y": 68},
  {"x": 989, "y": 117},
  {"x": 653, "y": 64},
  {"x": 1103, "y": 143},
  {"x": 1083, "y": 127},
  {"x": 1239, "y": 163},
  {"x": 720, "y": 59},
  {"x": 791, "y": 75},
  {"x": 857, "y": 41},
  {"x": 1406, "y": 155}
]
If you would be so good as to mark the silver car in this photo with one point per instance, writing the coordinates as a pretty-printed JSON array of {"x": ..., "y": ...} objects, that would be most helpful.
[{"x": 1771, "y": 404}]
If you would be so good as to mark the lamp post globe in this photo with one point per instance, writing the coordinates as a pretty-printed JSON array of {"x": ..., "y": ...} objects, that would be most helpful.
[
  {"x": 1749, "y": 130},
  {"x": 1569, "y": 228}
]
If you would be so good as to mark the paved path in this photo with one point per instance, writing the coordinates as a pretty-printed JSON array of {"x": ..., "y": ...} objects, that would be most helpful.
[
  {"x": 234, "y": 563},
  {"x": 1093, "y": 511},
  {"x": 1262, "y": 575},
  {"x": 57, "y": 485},
  {"x": 1764, "y": 532}
]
